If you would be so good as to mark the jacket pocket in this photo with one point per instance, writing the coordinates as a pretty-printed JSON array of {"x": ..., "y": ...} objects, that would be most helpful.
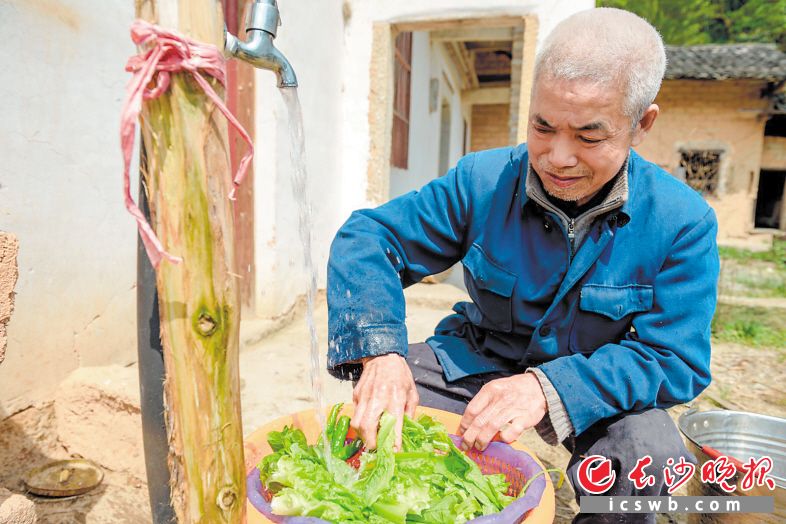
[
  {"x": 605, "y": 314},
  {"x": 491, "y": 288}
]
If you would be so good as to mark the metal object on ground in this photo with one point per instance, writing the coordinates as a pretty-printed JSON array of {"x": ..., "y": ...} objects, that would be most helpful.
[
  {"x": 738, "y": 435},
  {"x": 259, "y": 51},
  {"x": 63, "y": 478}
]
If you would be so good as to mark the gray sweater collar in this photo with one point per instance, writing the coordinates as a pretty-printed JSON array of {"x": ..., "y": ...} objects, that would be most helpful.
[{"x": 615, "y": 199}]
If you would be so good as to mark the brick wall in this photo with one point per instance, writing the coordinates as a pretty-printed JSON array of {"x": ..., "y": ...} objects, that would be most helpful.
[
  {"x": 490, "y": 126},
  {"x": 716, "y": 114}
]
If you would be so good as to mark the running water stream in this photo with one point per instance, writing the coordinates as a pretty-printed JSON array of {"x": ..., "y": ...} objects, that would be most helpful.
[{"x": 300, "y": 192}]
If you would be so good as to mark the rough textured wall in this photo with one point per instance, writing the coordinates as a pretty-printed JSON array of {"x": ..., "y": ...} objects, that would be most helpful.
[
  {"x": 9, "y": 247},
  {"x": 726, "y": 114},
  {"x": 64, "y": 78},
  {"x": 490, "y": 126},
  {"x": 774, "y": 154}
]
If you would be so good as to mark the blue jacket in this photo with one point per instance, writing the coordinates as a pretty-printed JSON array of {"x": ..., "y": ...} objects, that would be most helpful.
[{"x": 622, "y": 325}]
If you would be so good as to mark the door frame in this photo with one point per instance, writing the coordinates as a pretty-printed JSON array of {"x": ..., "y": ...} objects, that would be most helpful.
[{"x": 380, "y": 113}]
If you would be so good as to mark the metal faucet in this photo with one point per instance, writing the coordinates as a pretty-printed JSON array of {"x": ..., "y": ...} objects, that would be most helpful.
[{"x": 259, "y": 51}]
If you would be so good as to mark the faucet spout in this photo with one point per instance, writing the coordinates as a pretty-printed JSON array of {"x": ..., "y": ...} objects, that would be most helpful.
[{"x": 259, "y": 49}]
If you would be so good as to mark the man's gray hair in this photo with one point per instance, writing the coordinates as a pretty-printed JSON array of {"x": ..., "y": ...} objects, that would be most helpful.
[{"x": 610, "y": 47}]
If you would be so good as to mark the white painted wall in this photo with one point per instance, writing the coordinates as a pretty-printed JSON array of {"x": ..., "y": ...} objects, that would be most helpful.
[
  {"x": 62, "y": 83},
  {"x": 312, "y": 38}
]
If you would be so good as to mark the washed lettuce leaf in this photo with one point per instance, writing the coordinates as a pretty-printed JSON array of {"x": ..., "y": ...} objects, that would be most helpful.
[
  {"x": 377, "y": 470},
  {"x": 429, "y": 480}
]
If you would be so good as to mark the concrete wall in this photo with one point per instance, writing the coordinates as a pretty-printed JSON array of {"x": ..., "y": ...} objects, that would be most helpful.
[
  {"x": 714, "y": 114},
  {"x": 63, "y": 81}
]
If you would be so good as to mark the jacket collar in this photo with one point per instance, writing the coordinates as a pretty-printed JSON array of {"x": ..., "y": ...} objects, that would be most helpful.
[{"x": 624, "y": 186}]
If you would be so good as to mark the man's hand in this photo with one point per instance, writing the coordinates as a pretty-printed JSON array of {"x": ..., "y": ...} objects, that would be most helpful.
[
  {"x": 507, "y": 405},
  {"x": 385, "y": 385}
]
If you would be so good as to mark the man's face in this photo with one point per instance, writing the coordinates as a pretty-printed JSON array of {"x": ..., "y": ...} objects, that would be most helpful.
[{"x": 578, "y": 136}]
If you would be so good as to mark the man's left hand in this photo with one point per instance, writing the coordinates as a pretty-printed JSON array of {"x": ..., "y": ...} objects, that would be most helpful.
[{"x": 507, "y": 406}]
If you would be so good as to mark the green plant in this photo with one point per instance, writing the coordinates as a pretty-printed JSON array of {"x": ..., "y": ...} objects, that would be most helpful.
[
  {"x": 753, "y": 273},
  {"x": 751, "y": 326},
  {"x": 776, "y": 254}
]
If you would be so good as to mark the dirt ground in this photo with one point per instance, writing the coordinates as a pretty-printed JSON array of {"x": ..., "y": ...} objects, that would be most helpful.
[{"x": 95, "y": 414}]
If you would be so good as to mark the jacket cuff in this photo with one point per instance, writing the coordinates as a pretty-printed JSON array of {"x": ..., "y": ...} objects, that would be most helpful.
[
  {"x": 370, "y": 341},
  {"x": 556, "y": 426}
]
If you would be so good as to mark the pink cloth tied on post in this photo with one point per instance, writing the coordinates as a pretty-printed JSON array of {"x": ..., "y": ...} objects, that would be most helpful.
[{"x": 168, "y": 52}]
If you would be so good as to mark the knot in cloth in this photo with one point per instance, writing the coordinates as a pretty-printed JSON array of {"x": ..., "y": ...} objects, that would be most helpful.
[{"x": 168, "y": 52}]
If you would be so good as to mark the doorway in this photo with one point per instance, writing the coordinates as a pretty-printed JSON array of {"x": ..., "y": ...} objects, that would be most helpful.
[
  {"x": 769, "y": 199},
  {"x": 488, "y": 59}
]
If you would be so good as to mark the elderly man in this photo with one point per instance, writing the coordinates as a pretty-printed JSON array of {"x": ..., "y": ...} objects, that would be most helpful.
[{"x": 592, "y": 273}]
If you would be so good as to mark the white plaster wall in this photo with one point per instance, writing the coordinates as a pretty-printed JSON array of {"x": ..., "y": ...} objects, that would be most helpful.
[
  {"x": 312, "y": 38},
  {"x": 62, "y": 83}
]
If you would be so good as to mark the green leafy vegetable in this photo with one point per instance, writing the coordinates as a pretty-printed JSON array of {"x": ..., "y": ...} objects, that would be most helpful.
[{"x": 429, "y": 480}]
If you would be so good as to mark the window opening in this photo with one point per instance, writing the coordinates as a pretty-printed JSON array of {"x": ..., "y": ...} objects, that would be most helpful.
[
  {"x": 702, "y": 169},
  {"x": 775, "y": 126}
]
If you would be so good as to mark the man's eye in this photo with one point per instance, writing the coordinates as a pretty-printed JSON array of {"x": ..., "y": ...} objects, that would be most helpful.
[
  {"x": 590, "y": 140},
  {"x": 543, "y": 130}
]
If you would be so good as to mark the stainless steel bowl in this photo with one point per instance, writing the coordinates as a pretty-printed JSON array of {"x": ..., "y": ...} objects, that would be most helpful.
[{"x": 739, "y": 435}]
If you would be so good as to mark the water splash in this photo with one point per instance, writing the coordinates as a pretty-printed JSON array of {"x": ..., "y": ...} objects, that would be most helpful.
[{"x": 299, "y": 179}]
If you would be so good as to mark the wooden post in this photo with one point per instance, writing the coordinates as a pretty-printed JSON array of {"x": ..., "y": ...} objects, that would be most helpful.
[{"x": 187, "y": 179}]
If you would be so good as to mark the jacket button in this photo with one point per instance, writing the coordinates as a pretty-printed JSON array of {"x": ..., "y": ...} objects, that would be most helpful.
[{"x": 544, "y": 331}]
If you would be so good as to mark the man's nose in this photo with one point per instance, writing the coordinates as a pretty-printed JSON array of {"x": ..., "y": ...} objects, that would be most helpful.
[{"x": 562, "y": 154}]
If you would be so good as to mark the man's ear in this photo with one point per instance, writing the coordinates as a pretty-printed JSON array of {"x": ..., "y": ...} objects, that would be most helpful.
[{"x": 645, "y": 124}]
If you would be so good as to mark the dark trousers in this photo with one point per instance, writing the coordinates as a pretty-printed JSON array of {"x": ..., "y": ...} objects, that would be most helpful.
[{"x": 622, "y": 439}]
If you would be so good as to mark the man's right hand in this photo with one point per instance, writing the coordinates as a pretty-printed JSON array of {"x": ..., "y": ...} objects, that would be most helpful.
[{"x": 386, "y": 384}]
